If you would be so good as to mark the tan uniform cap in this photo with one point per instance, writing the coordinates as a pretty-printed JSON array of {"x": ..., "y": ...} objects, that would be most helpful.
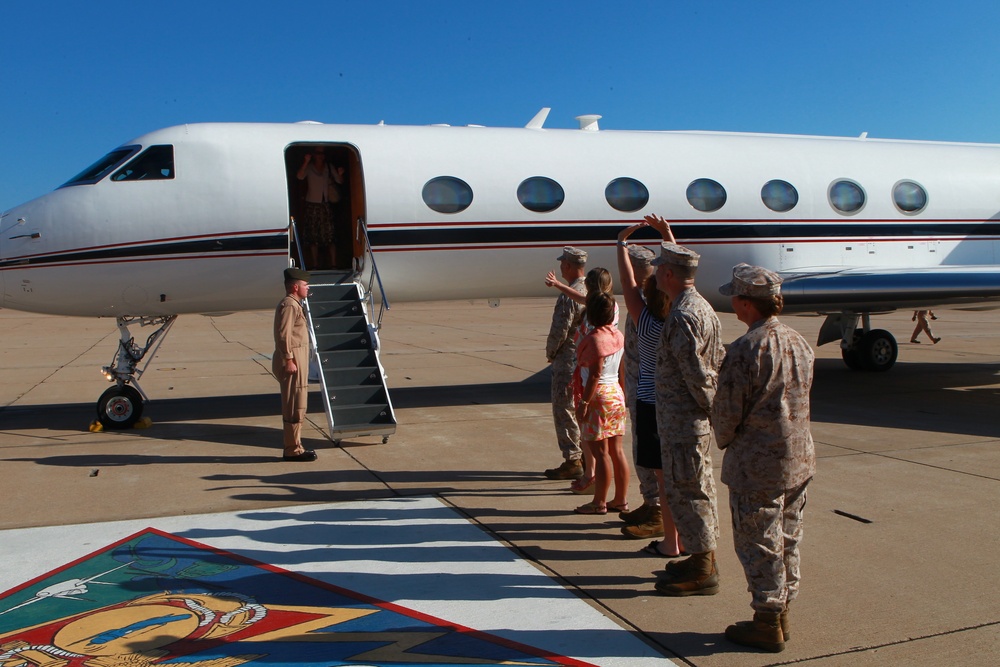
[
  {"x": 678, "y": 255},
  {"x": 640, "y": 255},
  {"x": 574, "y": 255},
  {"x": 753, "y": 281},
  {"x": 296, "y": 274}
]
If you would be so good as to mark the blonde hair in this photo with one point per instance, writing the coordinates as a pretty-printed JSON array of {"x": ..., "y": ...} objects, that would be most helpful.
[{"x": 598, "y": 280}]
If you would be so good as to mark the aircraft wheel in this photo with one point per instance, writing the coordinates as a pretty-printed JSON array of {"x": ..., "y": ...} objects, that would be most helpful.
[
  {"x": 852, "y": 356},
  {"x": 878, "y": 350},
  {"x": 119, "y": 407}
]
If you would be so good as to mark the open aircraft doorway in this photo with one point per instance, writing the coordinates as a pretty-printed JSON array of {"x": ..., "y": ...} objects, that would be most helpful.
[{"x": 325, "y": 201}]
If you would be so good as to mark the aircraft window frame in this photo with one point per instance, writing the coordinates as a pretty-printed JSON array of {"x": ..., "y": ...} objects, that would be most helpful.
[
  {"x": 706, "y": 195},
  {"x": 899, "y": 200},
  {"x": 447, "y": 194},
  {"x": 842, "y": 205},
  {"x": 101, "y": 168},
  {"x": 540, "y": 194},
  {"x": 619, "y": 198},
  {"x": 779, "y": 196},
  {"x": 149, "y": 165}
]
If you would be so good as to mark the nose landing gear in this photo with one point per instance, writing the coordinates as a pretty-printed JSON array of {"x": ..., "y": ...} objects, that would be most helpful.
[{"x": 120, "y": 407}]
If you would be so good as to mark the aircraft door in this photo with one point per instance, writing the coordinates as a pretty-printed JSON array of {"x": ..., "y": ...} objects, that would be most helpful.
[{"x": 325, "y": 200}]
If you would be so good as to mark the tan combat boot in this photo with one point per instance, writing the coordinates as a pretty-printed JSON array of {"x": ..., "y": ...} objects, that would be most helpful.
[
  {"x": 696, "y": 575},
  {"x": 651, "y": 526},
  {"x": 763, "y": 632},
  {"x": 785, "y": 625},
  {"x": 572, "y": 469},
  {"x": 639, "y": 515}
]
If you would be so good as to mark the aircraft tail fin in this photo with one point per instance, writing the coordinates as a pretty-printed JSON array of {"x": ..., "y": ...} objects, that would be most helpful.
[{"x": 538, "y": 121}]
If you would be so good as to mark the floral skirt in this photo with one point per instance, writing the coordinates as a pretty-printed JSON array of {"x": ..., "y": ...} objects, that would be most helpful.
[
  {"x": 317, "y": 225},
  {"x": 607, "y": 414}
]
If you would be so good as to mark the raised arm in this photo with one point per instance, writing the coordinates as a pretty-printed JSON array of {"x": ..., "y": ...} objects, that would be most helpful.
[
  {"x": 630, "y": 290},
  {"x": 661, "y": 225},
  {"x": 552, "y": 281}
]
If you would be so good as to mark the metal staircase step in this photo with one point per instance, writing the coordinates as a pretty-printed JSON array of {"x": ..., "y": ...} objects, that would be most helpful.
[
  {"x": 370, "y": 415},
  {"x": 358, "y": 395},
  {"x": 354, "y": 391},
  {"x": 358, "y": 376},
  {"x": 334, "y": 342}
]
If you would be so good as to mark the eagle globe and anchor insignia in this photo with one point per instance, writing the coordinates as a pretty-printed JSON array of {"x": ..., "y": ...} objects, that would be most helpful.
[{"x": 158, "y": 599}]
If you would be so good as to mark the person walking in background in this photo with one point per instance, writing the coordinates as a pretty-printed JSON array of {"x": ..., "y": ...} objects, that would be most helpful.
[{"x": 920, "y": 317}]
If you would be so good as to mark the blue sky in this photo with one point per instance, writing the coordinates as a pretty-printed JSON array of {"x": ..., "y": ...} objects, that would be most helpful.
[{"x": 79, "y": 78}]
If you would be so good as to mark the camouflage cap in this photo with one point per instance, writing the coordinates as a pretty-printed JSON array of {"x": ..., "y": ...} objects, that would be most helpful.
[
  {"x": 574, "y": 255},
  {"x": 640, "y": 255},
  {"x": 296, "y": 274},
  {"x": 755, "y": 282},
  {"x": 678, "y": 255}
]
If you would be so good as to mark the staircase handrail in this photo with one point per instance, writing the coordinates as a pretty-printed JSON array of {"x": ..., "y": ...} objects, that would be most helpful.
[{"x": 375, "y": 277}]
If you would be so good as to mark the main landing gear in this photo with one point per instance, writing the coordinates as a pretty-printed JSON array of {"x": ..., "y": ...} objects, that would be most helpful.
[
  {"x": 862, "y": 348},
  {"x": 121, "y": 406}
]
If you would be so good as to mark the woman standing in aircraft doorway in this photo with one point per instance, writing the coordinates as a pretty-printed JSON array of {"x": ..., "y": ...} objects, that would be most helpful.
[{"x": 317, "y": 230}]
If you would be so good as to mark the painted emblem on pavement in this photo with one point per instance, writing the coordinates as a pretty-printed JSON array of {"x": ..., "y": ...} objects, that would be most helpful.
[{"x": 158, "y": 599}]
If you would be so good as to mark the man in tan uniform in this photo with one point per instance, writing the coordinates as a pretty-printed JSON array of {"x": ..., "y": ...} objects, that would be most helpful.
[
  {"x": 761, "y": 420},
  {"x": 560, "y": 350},
  {"x": 688, "y": 361},
  {"x": 290, "y": 363}
]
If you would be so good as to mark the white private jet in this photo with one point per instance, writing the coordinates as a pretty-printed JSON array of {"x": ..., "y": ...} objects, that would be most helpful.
[{"x": 196, "y": 219}]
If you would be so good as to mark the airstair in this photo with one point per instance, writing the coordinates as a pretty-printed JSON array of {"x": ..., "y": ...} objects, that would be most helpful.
[{"x": 355, "y": 394}]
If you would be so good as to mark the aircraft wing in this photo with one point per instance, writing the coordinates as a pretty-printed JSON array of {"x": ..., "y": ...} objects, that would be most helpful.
[{"x": 873, "y": 290}]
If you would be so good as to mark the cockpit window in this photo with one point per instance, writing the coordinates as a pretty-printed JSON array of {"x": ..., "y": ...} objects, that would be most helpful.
[
  {"x": 102, "y": 167},
  {"x": 153, "y": 164}
]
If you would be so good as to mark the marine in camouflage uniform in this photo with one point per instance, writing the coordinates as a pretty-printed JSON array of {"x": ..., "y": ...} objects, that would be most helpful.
[
  {"x": 687, "y": 366},
  {"x": 560, "y": 350},
  {"x": 761, "y": 420}
]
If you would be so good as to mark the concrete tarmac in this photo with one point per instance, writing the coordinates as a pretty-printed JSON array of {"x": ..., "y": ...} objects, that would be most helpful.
[{"x": 899, "y": 557}]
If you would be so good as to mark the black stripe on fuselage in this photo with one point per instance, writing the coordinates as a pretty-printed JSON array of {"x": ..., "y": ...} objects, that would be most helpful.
[
  {"x": 173, "y": 248},
  {"x": 426, "y": 237},
  {"x": 732, "y": 230}
]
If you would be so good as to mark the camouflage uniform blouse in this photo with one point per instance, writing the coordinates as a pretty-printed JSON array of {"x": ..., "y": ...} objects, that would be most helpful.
[
  {"x": 687, "y": 368},
  {"x": 566, "y": 316},
  {"x": 761, "y": 410}
]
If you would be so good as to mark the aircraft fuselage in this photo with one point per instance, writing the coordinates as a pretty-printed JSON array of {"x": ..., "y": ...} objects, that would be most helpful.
[{"x": 213, "y": 236}]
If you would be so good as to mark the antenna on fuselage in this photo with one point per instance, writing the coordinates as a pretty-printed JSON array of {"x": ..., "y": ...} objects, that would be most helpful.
[
  {"x": 588, "y": 123},
  {"x": 538, "y": 121}
]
